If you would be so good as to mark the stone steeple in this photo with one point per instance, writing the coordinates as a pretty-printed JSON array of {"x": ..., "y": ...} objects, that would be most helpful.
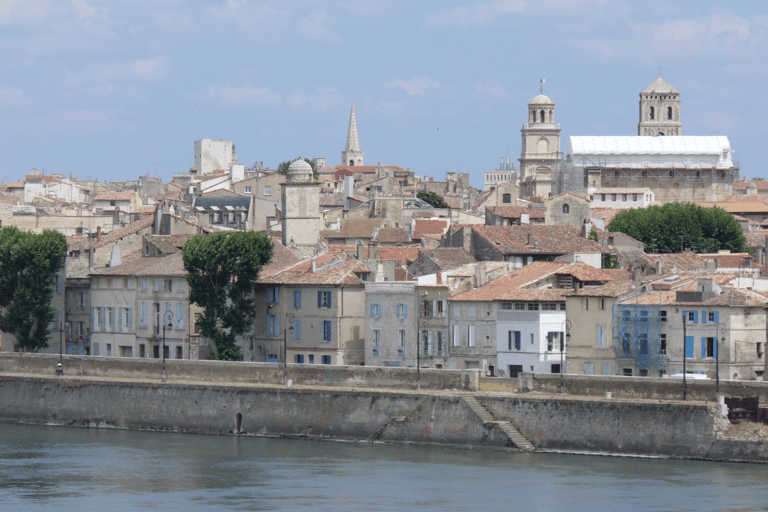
[
  {"x": 352, "y": 154},
  {"x": 659, "y": 110}
]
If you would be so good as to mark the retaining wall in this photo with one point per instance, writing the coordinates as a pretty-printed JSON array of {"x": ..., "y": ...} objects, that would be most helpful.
[{"x": 224, "y": 371}]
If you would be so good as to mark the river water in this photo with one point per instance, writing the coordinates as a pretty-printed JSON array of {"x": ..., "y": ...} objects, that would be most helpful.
[{"x": 70, "y": 469}]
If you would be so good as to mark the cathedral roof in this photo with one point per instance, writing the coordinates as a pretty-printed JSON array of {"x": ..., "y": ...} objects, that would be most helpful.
[
  {"x": 660, "y": 86},
  {"x": 541, "y": 99}
]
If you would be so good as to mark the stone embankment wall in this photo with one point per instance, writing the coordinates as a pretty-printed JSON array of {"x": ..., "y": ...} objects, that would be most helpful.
[
  {"x": 221, "y": 371},
  {"x": 632, "y": 387}
]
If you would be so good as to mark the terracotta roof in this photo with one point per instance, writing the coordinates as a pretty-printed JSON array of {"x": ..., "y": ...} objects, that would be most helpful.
[
  {"x": 422, "y": 226},
  {"x": 611, "y": 289},
  {"x": 168, "y": 244},
  {"x": 448, "y": 257},
  {"x": 115, "y": 196},
  {"x": 354, "y": 228},
  {"x": 742, "y": 185},
  {"x": 468, "y": 270},
  {"x": 729, "y": 260},
  {"x": 515, "y": 212},
  {"x": 399, "y": 254},
  {"x": 401, "y": 274},
  {"x": 148, "y": 209},
  {"x": 393, "y": 235},
  {"x": 738, "y": 207},
  {"x": 114, "y": 236},
  {"x": 556, "y": 240},
  {"x": 332, "y": 200},
  {"x": 617, "y": 274},
  {"x": 147, "y": 266},
  {"x": 331, "y": 269},
  {"x": 679, "y": 262}
]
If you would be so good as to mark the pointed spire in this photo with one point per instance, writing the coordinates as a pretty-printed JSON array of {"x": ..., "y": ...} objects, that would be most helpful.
[{"x": 353, "y": 144}]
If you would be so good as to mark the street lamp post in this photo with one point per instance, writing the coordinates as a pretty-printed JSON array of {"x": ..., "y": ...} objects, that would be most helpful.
[
  {"x": 167, "y": 317},
  {"x": 721, "y": 328},
  {"x": 562, "y": 349},
  {"x": 685, "y": 383}
]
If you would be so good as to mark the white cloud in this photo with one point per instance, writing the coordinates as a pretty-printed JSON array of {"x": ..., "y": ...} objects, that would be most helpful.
[
  {"x": 417, "y": 86},
  {"x": 12, "y": 97},
  {"x": 476, "y": 15},
  {"x": 242, "y": 96},
  {"x": 262, "y": 21},
  {"x": 321, "y": 99},
  {"x": 140, "y": 70},
  {"x": 492, "y": 88},
  {"x": 83, "y": 10}
]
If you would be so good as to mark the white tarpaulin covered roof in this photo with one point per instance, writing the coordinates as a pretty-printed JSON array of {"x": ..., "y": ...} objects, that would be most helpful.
[{"x": 652, "y": 152}]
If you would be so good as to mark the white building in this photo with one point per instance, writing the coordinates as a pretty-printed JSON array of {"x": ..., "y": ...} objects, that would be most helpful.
[
  {"x": 214, "y": 155},
  {"x": 621, "y": 198}
]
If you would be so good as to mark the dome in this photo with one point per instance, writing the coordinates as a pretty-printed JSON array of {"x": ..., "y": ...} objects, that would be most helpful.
[
  {"x": 299, "y": 166},
  {"x": 541, "y": 99}
]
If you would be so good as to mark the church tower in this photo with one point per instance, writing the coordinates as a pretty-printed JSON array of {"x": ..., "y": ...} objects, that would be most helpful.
[
  {"x": 659, "y": 110},
  {"x": 352, "y": 154},
  {"x": 540, "y": 148}
]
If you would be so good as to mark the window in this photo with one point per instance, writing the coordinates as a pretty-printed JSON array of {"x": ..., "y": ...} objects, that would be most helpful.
[
  {"x": 515, "y": 370},
  {"x": 402, "y": 311},
  {"x": 634, "y": 197},
  {"x": 197, "y": 326},
  {"x": 663, "y": 315},
  {"x": 376, "y": 340},
  {"x": 298, "y": 358},
  {"x": 712, "y": 316},
  {"x": 311, "y": 358},
  {"x": 506, "y": 198},
  {"x": 456, "y": 310},
  {"x": 327, "y": 330},
  {"x": 651, "y": 113},
  {"x": 441, "y": 344},
  {"x": 143, "y": 284},
  {"x": 456, "y": 338},
  {"x": 624, "y": 197},
  {"x": 272, "y": 358},
  {"x": 627, "y": 372},
  {"x": 506, "y": 306},
  {"x": 401, "y": 348},
  {"x": 566, "y": 209},
  {"x": 179, "y": 353},
  {"x": 708, "y": 347},
  {"x": 471, "y": 335},
  {"x": 533, "y": 306},
  {"x": 602, "y": 197},
  {"x": 519, "y": 306},
  {"x": 589, "y": 368},
  {"x": 600, "y": 341},
  {"x": 167, "y": 285},
  {"x": 669, "y": 113},
  {"x": 324, "y": 299},
  {"x": 514, "y": 340},
  {"x": 471, "y": 311},
  {"x": 692, "y": 316},
  {"x": 643, "y": 342},
  {"x": 297, "y": 299},
  {"x": 325, "y": 359},
  {"x": 663, "y": 344},
  {"x": 81, "y": 300},
  {"x": 375, "y": 310},
  {"x": 602, "y": 304},
  {"x": 585, "y": 305},
  {"x": 267, "y": 190},
  {"x": 549, "y": 306},
  {"x": 247, "y": 190},
  {"x": 613, "y": 196},
  {"x": 626, "y": 344}
]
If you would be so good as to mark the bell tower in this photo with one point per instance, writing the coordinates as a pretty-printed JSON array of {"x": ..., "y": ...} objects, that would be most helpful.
[
  {"x": 659, "y": 110},
  {"x": 352, "y": 154}
]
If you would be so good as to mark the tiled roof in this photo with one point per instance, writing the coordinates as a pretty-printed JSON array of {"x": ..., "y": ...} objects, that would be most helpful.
[
  {"x": 617, "y": 274},
  {"x": 354, "y": 228},
  {"x": 168, "y": 244},
  {"x": 393, "y": 235},
  {"x": 542, "y": 239},
  {"x": 115, "y": 196},
  {"x": 148, "y": 209},
  {"x": 679, "y": 262},
  {"x": 448, "y": 257},
  {"x": 436, "y": 227},
  {"x": 611, "y": 289},
  {"x": 401, "y": 274},
  {"x": 332, "y": 269},
  {"x": 147, "y": 266},
  {"x": 515, "y": 212},
  {"x": 332, "y": 200},
  {"x": 469, "y": 269},
  {"x": 738, "y": 207},
  {"x": 398, "y": 254},
  {"x": 505, "y": 287},
  {"x": 114, "y": 236},
  {"x": 742, "y": 185},
  {"x": 606, "y": 214},
  {"x": 584, "y": 272},
  {"x": 730, "y": 260}
]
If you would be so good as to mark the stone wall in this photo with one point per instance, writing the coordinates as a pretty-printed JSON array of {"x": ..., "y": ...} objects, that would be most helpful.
[
  {"x": 639, "y": 387},
  {"x": 237, "y": 372}
]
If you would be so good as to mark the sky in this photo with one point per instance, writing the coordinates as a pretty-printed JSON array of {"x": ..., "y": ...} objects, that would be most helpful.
[{"x": 112, "y": 90}]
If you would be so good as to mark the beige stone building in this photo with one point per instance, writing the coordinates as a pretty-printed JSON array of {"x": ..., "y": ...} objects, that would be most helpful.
[
  {"x": 301, "y": 210},
  {"x": 540, "y": 153}
]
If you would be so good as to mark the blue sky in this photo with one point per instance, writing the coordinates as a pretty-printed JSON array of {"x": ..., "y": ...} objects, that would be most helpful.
[{"x": 116, "y": 89}]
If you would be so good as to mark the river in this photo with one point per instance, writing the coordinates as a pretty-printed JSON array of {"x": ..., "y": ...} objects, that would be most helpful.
[{"x": 73, "y": 469}]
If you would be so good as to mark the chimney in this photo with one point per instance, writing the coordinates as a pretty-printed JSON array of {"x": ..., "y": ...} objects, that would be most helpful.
[
  {"x": 480, "y": 277},
  {"x": 373, "y": 252},
  {"x": 360, "y": 252},
  {"x": 585, "y": 229},
  {"x": 314, "y": 266},
  {"x": 658, "y": 267},
  {"x": 439, "y": 277},
  {"x": 530, "y": 240},
  {"x": 98, "y": 234}
]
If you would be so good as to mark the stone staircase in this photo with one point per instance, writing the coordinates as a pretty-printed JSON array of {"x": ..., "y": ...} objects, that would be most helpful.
[
  {"x": 511, "y": 431},
  {"x": 398, "y": 418}
]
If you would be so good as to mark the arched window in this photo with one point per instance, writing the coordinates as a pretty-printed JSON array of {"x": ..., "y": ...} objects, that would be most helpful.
[
  {"x": 533, "y": 116},
  {"x": 506, "y": 198},
  {"x": 352, "y": 162},
  {"x": 541, "y": 116},
  {"x": 669, "y": 113},
  {"x": 566, "y": 209},
  {"x": 650, "y": 113},
  {"x": 671, "y": 174},
  {"x": 660, "y": 134}
]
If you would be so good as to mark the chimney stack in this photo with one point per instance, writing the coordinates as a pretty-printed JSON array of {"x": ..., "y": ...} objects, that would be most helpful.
[
  {"x": 480, "y": 276},
  {"x": 98, "y": 234}
]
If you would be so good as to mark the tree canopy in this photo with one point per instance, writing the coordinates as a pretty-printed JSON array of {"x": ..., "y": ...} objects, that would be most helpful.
[
  {"x": 222, "y": 269},
  {"x": 282, "y": 167},
  {"x": 676, "y": 227},
  {"x": 432, "y": 198},
  {"x": 28, "y": 267}
]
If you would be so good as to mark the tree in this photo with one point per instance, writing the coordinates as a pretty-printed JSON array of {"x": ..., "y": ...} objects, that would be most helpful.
[
  {"x": 676, "y": 227},
  {"x": 28, "y": 267},
  {"x": 282, "y": 167},
  {"x": 435, "y": 200},
  {"x": 222, "y": 269}
]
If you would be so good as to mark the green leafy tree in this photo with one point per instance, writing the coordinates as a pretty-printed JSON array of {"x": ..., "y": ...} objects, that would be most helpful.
[
  {"x": 28, "y": 267},
  {"x": 282, "y": 167},
  {"x": 676, "y": 227},
  {"x": 435, "y": 200},
  {"x": 222, "y": 269}
]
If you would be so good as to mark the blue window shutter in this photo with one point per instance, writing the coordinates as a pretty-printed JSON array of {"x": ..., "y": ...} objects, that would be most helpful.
[
  {"x": 717, "y": 341},
  {"x": 297, "y": 330},
  {"x": 405, "y": 310},
  {"x": 297, "y": 298},
  {"x": 695, "y": 317},
  {"x": 93, "y": 319},
  {"x": 269, "y": 324},
  {"x": 716, "y": 317},
  {"x": 509, "y": 341},
  {"x": 277, "y": 295},
  {"x": 319, "y": 300},
  {"x": 703, "y": 317},
  {"x": 517, "y": 340},
  {"x": 689, "y": 346},
  {"x": 703, "y": 347},
  {"x": 277, "y": 325},
  {"x": 330, "y": 298},
  {"x": 373, "y": 310},
  {"x": 685, "y": 316}
]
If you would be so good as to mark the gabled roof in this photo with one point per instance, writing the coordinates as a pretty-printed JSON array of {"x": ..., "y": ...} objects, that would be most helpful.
[
  {"x": 660, "y": 86},
  {"x": 678, "y": 262},
  {"x": 167, "y": 244},
  {"x": 393, "y": 235},
  {"x": 448, "y": 257},
  {"x": 114, "y": 236},
  {"x": 398, "y": 254},
  {"x": 354, "y": 228},
  {"x": 435, "y": 227},
  {"x": 516, "y": 212},
  {"x": 115, "y": 196},
  {"x": 169, "y": 266},
  {"x": 537, "y": 239},
  {"x": 330, "y": 269}
]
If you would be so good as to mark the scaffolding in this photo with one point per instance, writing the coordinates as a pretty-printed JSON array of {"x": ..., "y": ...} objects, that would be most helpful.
[{"x": 637, "y": 336}]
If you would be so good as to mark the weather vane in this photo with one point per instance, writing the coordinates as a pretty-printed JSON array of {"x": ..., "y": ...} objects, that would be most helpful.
[{"x": 541, "y": 85}]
